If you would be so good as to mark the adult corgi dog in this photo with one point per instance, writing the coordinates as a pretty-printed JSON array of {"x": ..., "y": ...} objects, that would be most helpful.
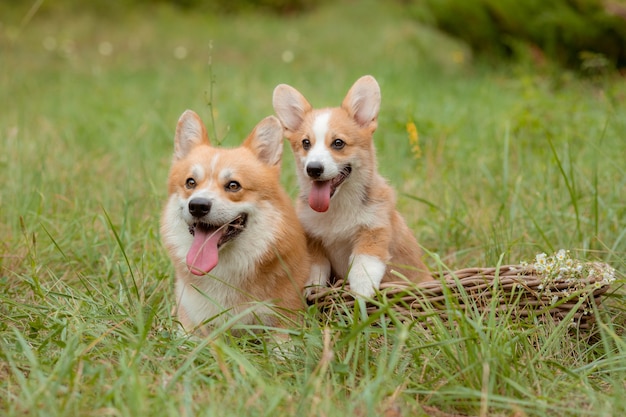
[
  {"x": 231, "y": 230},
  {"x": 346, "y": 207}
]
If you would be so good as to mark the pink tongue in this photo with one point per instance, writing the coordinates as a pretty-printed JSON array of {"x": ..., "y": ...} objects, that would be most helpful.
[
  {"x": 202, "y": 257},
  {"x": 319, "y": 198}
]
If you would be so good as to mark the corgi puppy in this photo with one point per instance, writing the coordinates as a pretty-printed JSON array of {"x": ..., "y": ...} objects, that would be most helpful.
[
  {"x": 346, "y": 207},
  {"x": 230, "y": 229}
]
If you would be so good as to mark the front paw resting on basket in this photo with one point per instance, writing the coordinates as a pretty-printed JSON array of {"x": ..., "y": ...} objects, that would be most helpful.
[
  {"x": 365, "y": 275},
  {"x": 319, "y": 276}
]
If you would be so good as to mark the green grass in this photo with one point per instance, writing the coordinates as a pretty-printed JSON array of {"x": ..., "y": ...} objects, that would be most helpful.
[{"x": 514, "y": 161}]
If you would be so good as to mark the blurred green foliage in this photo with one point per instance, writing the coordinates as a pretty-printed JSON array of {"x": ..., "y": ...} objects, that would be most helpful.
[
  {"x": 233, "y": 6},
  {"x": 588, "y": 35},
  {"x": 582, "y": 34},
  {"x": 107, "y": 8}
]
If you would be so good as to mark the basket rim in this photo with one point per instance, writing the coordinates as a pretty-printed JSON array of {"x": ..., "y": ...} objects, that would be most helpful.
[{"x": 475, "y": 278}]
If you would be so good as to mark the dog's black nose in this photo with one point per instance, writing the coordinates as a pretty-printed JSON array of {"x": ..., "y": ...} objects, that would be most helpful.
[
  {"x": 315, "y": 169},
  {"x": 199, "y": 207}
]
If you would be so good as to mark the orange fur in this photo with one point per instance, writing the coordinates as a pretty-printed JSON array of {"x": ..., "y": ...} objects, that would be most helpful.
[
  {"x": 353, "y": 228},
  {"x": 265, "y": 266}
]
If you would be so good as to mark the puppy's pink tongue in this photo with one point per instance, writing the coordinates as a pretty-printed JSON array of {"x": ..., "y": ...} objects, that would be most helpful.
[
  {"x": 202, "y": 257},
  {"x": 319, "y": 198}
]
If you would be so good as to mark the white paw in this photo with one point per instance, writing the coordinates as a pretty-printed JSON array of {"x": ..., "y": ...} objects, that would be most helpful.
[
  {"x": 319, "y": 277},
  {"x": 365, "y": 274},
  {"x": 361, "y": 287}
]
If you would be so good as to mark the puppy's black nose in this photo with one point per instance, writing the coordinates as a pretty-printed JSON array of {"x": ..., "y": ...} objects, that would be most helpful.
[
  {"x": 199, "y": 207},
  {"x": 315, "y": 169}
]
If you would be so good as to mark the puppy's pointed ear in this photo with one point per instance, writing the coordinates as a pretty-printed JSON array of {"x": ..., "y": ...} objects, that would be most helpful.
[
  {"x": 266, "y": 141},
  {"x": 290, "y": 106},
  {"x": 363, "y": 102},
  {"x": 190, "y": 132}
]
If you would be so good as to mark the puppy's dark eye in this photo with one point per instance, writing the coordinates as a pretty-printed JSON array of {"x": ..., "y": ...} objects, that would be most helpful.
[
  {"x": 306, "y": 144},
  {"x": 338, "y": 144},
  {"x": 233, "y": 186},
  {"x": 190, "y": 183}
]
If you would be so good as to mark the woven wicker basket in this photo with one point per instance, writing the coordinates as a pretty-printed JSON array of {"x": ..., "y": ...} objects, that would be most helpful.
[{"x": 521, "y": 292}]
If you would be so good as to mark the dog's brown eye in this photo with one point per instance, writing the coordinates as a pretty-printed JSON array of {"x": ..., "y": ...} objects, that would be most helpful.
[
  {"x": 190, "y": 183},
  {"x": 233, "y": 186},
  {"x": 306, "y": 144},
  {"x": 338, "y": 144}
]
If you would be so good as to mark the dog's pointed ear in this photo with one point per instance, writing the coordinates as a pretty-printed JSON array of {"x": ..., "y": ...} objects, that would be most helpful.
[
  {"x": 266, "y": 141},
  {"x": 290, "y": 106},
  {"x": 363, "y": 102},
  {"x": 190, "y": 132}
]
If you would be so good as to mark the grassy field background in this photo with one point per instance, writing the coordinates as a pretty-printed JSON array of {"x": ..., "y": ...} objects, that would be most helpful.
[{"x": 511, "y": 161}]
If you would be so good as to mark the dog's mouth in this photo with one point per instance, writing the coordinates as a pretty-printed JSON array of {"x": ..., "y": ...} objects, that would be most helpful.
[
  {"x": 339, "y": 179},
  {"x": 226, "y": 231},
  {"x": 322, "y": 191},
  {"x": 208, "y": 239}
]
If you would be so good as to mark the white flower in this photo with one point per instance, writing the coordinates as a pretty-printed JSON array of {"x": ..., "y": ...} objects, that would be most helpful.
[
  {"x": 561, "y": 254},
  {"x": 540, "y": 259},
  {"x": 608, "y": 275}
]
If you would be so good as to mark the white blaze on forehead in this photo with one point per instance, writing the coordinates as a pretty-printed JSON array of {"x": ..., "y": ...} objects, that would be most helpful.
[
  {"x": 319, "y": 152},
  {"x": 214, "y": 162},
  {"x": 320, "y": 127}
]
